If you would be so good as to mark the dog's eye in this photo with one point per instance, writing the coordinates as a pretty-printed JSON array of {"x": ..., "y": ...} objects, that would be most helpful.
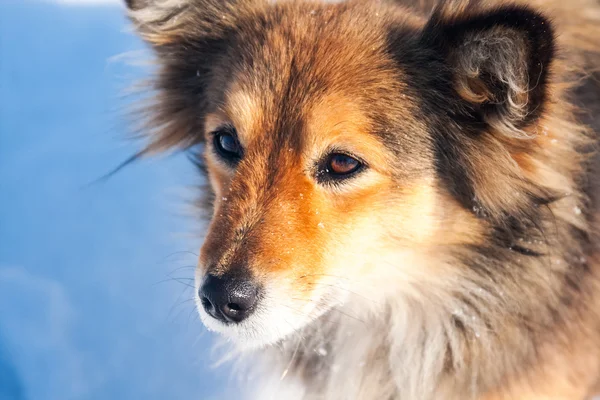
[
  {"x": 338, "y": 166},
  {"x": 227, "y": 145},
  {"x": 342, "y": 164}
]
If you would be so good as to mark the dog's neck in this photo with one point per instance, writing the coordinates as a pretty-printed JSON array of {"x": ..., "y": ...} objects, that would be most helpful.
[{"x": 338, "y": 356}]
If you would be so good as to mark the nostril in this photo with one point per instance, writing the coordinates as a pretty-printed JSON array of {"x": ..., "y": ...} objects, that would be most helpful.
[{"x": 236, "y": 312}]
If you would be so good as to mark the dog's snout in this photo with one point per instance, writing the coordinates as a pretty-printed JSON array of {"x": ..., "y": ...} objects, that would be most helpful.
[{"x": 228, "y": 298}]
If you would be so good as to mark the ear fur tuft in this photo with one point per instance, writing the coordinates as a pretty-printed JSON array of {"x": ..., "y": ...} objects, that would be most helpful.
[{"x": 499, "y": 60}]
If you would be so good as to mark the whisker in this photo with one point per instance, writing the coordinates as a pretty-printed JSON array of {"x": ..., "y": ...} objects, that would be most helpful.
[
  {"x": 192, "y": 311},
  {"x": 178, "y": 302},
  {"x": 184, "y": 267},
  {"x": 327, "y": 275},
  {"x": 333, "y": 308},
  {"x": 349, "y": 315},
  {"x": 183, "y": 278},
  {"x": 179, "y": 252},
  {"x": 286, "y": 370},
  {"x": 179, "y": 280}
]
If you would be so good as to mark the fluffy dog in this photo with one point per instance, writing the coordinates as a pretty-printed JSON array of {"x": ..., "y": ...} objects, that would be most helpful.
[{"x": 404, "y": 193}]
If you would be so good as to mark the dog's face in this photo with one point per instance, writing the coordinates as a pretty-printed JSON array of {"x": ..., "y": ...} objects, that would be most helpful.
[{"x": 331, "y": 138}]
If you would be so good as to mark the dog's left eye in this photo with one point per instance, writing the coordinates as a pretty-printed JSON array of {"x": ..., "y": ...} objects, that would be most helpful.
[
  {"x": 342, "y": 164},
  {"x": 338, "y": 166}
]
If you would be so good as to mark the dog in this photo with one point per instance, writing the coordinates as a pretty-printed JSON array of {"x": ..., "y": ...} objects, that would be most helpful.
[{"x": 404, "y": 194}]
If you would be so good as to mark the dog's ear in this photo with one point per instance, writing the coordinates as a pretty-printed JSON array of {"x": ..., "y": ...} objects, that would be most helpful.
[
  {"x": 133, "y": 4},
  {"x": 189, "y": 39},
  {"x": 165, "y": 22},
  {"x": 498, "y": 59}
]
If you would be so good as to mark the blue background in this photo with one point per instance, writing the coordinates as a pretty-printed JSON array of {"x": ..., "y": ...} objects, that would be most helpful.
[{"x": 88, "y": 309}]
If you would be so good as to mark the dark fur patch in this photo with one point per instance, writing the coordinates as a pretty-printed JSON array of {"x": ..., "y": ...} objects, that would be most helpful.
[{"x": 450, "y": 36}]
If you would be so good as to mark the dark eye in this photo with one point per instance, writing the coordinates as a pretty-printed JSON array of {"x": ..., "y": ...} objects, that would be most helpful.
[
  {"x": 342, "y": 164},
  {"x": 338, "y": 166},
  {"x": 227, "y": 145}
]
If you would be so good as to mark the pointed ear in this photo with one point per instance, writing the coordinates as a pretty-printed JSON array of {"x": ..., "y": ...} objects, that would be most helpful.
[
  {"x": 189, "y": 39},
  {"x": 133, "y": 4},
  {"x": 164, "y": 22},
  {"x": 499, "y": 60}
]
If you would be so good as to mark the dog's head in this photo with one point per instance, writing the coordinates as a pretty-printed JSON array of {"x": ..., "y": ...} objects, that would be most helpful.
[{"x": 348, "y": 145}]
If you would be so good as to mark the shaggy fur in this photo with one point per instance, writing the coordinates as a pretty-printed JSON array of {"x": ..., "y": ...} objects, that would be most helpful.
[{"x": 462, "y": 261}]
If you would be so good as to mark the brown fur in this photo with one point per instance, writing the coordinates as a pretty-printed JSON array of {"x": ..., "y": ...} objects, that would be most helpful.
[{"x": 464, "y": 259}]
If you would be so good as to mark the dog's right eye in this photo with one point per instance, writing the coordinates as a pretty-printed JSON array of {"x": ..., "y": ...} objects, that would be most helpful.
[{"x": 227, "y": 145}]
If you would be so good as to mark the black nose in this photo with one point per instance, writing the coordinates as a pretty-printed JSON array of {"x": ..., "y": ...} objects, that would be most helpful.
[{"x": 228, "y": 298}]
